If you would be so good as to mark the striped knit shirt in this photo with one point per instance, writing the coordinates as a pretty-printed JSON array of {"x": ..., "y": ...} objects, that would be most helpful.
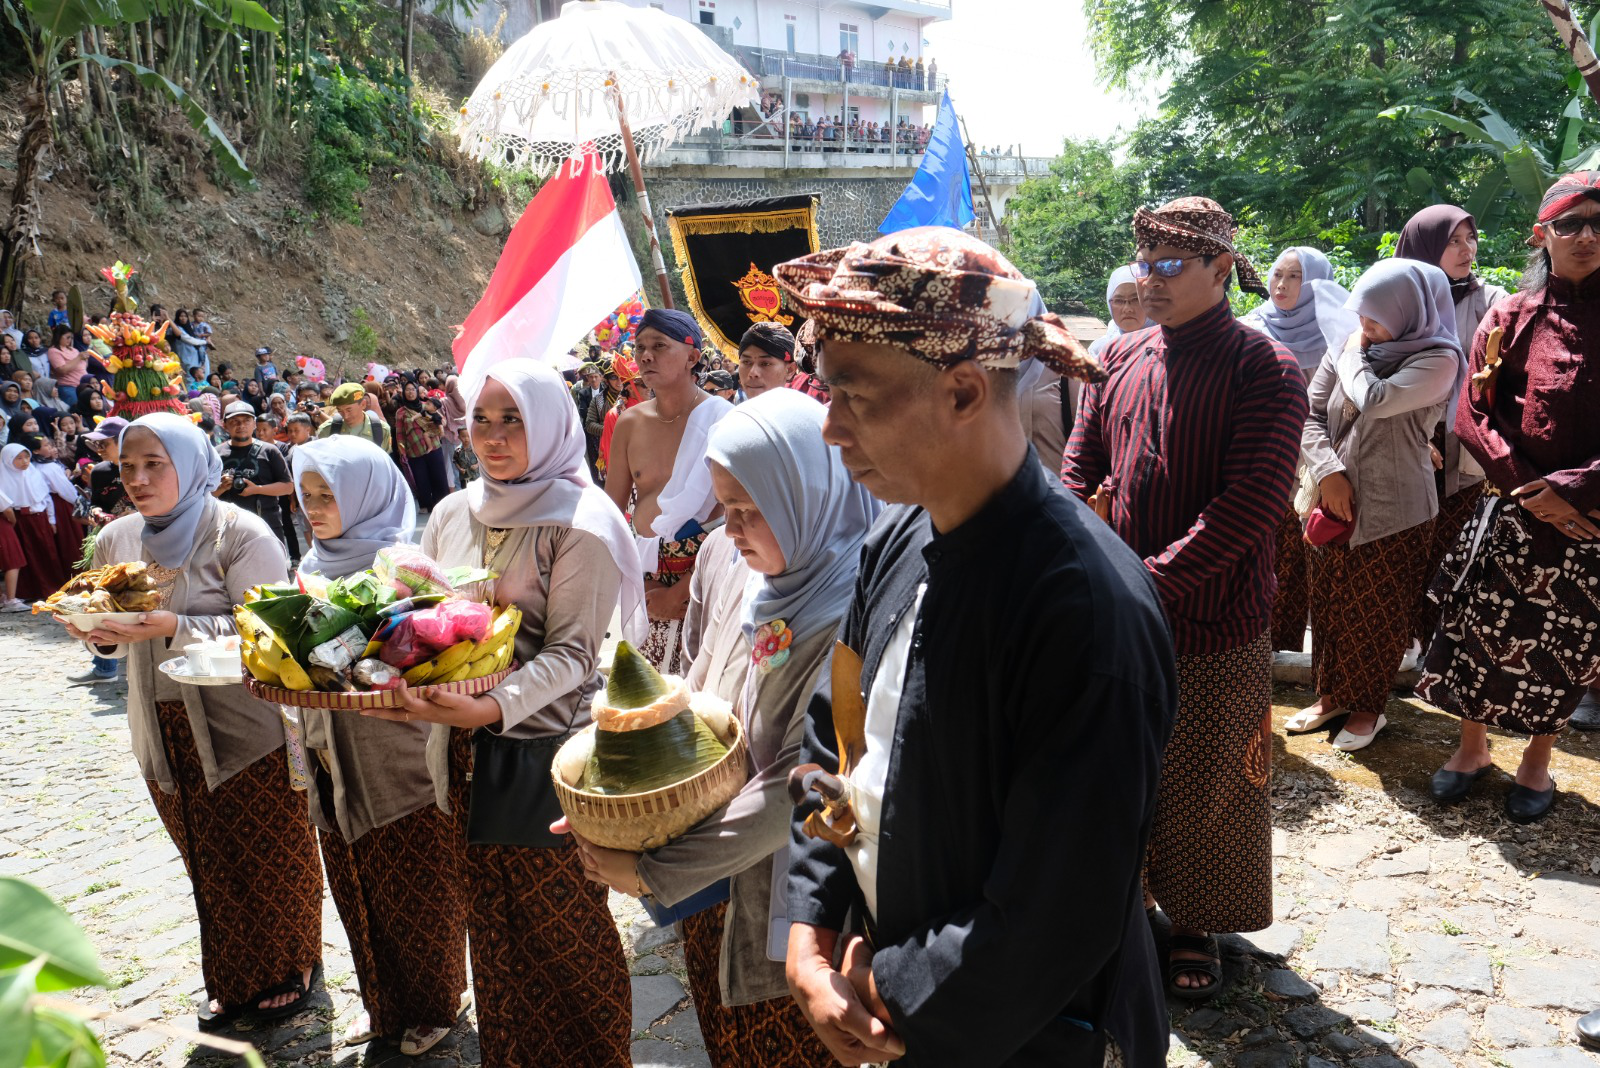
[{"x": 1197, "y": 436}]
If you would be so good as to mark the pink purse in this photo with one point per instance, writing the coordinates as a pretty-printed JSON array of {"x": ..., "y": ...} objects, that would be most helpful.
[{"x": 1325, "y": 528}]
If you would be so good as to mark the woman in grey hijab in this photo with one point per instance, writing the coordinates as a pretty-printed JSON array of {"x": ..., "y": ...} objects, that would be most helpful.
[
  {"x": 370, "y": 793},
  {"x": 212, "y": 756},
  {"x": 1374, "y": 402}
]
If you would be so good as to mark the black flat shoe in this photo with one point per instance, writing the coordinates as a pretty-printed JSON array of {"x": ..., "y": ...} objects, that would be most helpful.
[
  {"x": 1587, "y": 715},
  {"x": 1589, "y": 1030},
  {"x": 1525, "y": 806},
  {"x": 1448, "y": 787}
]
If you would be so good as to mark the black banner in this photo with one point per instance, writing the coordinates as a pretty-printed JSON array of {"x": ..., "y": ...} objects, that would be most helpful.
[{"x": 727, "y": 252}]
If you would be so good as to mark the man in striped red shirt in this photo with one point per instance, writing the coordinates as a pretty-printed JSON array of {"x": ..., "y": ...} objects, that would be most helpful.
[{"x": 1191, "y": 447}]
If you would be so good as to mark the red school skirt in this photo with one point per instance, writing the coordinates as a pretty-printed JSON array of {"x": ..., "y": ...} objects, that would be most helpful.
[
  {"x": 43, "y": 574},
  {"x": 69, "y": 534},
  {"x": 11, "y": 557}
]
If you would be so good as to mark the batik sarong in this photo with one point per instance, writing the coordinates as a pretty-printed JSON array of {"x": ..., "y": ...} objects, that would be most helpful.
[
  {"x": 1455, "y": 512},
  {"x": 1210, "y": 860},
  {"x": 548, "y": 973},
  {"x": 1519, "y": 623},
  {"x": 1293, "y": 602},
  {"x": 773, "y": 1034},
  {"x": 664, "y": 646},
  {"x": 401, "y": 901},
  {"x": 252, "y": 859},
  {"x": 1358, "y": 631}
]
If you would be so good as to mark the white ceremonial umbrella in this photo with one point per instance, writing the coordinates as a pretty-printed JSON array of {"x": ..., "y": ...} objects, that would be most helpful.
[{"x": 628, "y": 81}]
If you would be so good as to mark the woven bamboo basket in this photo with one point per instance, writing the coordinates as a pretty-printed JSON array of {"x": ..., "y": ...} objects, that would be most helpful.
[
  {"x": 355, "y": 702},
  {"x": 638, "y": 822}
]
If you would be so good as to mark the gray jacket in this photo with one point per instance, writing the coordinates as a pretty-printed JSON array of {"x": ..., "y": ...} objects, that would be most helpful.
[{"x": 1382, "y": 435}]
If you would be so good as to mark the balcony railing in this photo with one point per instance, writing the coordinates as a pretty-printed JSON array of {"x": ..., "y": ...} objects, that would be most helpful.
[
  {"x": 768, "y": 64},
  {"x": 770, "y": 139}
]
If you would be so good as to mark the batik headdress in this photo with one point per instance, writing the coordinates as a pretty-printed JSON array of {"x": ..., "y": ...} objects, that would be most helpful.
[
  {"x": 1199, "y": 225},
  {"x": 1568, "y": 191},
  {"x": 938, "y": 293}
]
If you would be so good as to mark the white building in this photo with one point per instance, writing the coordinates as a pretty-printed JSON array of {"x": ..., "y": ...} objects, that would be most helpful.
[{"x": 820, "y": 62}]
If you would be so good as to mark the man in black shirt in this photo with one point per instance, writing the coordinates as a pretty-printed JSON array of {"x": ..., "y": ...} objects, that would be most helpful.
[
  {"x": 254, "y": 473},
  {"x": 1017, "y": 666}
]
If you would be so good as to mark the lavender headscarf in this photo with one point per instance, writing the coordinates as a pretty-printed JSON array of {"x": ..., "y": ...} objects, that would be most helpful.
[
  {"x": 1299, "y": 329},
  {"x": 773, "y": 446},
  {"x": 556, "y": 490},
  {"x": 170, "y": 537},
  {"x": 1412, "y": 301},
  {"x": 375, "y": 504}
]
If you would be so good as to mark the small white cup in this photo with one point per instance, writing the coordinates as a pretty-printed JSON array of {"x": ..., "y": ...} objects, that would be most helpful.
[{"x": 198, "y": 657}]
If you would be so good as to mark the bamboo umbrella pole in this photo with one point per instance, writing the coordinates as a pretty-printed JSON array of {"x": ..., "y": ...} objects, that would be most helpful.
[{"x": 639, "y": 191}]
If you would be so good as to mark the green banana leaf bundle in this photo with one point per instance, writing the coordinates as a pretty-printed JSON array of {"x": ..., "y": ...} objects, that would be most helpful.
[{"x": 638, "y": 761}]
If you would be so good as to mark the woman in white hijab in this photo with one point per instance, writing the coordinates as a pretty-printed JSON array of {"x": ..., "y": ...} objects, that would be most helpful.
[
  {"x": 30, "y": 496},
  {"x": 390, "y": 853},
  {"x": 798, "y": 522},
  {"x": 213, "y": 757},
  {"x": 548, "y": 971}
]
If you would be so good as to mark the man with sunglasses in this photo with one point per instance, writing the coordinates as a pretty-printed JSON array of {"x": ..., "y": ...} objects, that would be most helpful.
[{"x": 1190, "y": 448}]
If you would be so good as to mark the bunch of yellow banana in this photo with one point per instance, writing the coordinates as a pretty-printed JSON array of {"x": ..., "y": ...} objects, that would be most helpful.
[
  {"x": 471, "y": 660},
  {"x": 265, "y": 657}
]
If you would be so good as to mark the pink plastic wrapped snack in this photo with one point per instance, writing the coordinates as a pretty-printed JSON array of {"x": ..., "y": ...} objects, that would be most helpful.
[
  {"x": 453, "y": 621},
  {"x": 402, "y": 648},
  {"x": 410, "y": 571}
]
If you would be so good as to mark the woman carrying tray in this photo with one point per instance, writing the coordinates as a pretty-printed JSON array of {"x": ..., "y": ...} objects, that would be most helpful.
[
  {"x": 548, "y": 971},
  {"x": 798, "y": 522},
  {"x": 213, "y": 757},
  {"x": 391, "y": 855}
]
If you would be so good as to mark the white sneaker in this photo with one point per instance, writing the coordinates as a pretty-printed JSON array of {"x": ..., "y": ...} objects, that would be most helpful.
[{"x": 15, "y": 605}]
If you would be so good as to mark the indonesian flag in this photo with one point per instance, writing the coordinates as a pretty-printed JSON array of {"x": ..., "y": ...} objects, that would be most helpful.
[{"x": 566, "y": 266}]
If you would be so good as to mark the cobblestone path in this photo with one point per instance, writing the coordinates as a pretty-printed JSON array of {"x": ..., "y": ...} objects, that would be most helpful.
[{"x": 1406, "y": 934}]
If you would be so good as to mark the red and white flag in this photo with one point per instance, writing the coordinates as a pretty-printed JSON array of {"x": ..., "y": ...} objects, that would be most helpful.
[{"x": 566, "y": 266}]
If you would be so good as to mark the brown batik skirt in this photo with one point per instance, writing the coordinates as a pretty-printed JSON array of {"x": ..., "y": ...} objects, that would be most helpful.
[
  {"x": 1210, "y": 861},
  {"x": 772, "y": 1034},
  {"x": 399, "y": 894},
  {"x": 1293, "y": 602},
  {"x": 1519, "y": 624},
  {"x": 1455, "y": 512},
  {"x": 252, "y": 859},
  {"x": 548, "y": 973},
  {"x": 1359, "y": 625}
]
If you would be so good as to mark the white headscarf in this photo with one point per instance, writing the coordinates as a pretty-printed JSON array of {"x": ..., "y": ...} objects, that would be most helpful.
[
  {"x": 1122, "y": 276},
  {"x": 26, "y": 488},
  {"x": 375, "y": 504},
  {"x": 555, "y": 490},
  {"x": 773, "y": 446},
  {"x": 170, "y": 537}
]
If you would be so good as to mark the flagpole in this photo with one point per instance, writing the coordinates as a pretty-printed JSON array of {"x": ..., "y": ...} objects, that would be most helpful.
[
  {"x": 656, "y": 261},
  {"x": 983, "y": 183}
]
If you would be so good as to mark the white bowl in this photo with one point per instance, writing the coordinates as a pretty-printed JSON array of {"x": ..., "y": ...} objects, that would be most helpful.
[{"x": 91, "y": 620}]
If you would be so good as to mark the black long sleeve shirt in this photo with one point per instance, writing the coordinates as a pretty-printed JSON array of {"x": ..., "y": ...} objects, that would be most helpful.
[{"x": 1038, "y": 697}]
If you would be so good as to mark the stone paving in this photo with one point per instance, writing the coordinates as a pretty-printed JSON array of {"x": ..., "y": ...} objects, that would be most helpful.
[{"x": 1406, "y": 934}]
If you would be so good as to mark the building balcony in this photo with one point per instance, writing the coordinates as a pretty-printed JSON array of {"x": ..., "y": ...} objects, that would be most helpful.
[
  {"x": 829, "y": 73},
  {"x": 765, "y": 150}
]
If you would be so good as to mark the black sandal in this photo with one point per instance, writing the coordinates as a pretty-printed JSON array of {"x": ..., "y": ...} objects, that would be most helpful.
[
  {"x": 1211, "y": 966},
  {"x": 292, "y": 985},
  {"x": 213, "y": 1022}
]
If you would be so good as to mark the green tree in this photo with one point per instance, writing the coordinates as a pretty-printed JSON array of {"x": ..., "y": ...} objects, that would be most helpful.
[
  {"x": 1071, "y": 229},
  {"x": 1276, "y": 104}
]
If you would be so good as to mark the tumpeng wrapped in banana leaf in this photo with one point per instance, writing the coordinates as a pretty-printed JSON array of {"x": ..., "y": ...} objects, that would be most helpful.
[{"x": 646, "y": 735}]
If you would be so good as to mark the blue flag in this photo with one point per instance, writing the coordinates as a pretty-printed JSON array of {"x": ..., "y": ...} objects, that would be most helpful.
[{"x": 940, "y": 193}]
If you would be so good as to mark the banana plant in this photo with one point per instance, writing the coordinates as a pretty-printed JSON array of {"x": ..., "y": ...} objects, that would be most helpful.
[
  {"x": 46, "y": 28},
  {"x": 1525, "y": 167}
]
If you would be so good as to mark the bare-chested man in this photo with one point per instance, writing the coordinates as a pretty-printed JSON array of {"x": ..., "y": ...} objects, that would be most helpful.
[{"x": 657, "y": 475}]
